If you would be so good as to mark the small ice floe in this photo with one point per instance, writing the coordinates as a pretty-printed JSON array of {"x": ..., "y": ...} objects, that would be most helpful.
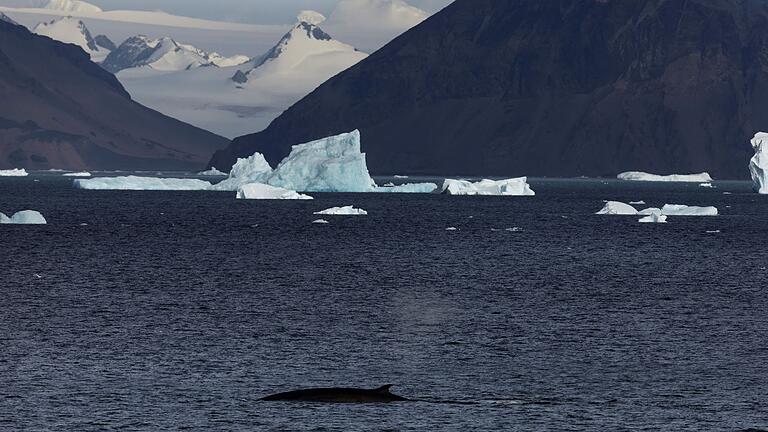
[
  {"x": 617, "y": 208},
  {"x": 706, "y": 185},
  {"x": 654, "y": 218},
  {"x": 514, "y": 229},
  {"x": 37, "y": 276},
  {"x": 713, "y": 232},
  {"x": 320, "y": 222},
  {"x": 390, "y": 184},
  {"x": 684, "y": 178},
  {"x": 26, "y": 217},
  {"x": 261, "y": 191},
  {"x": 14, "y": 173},
  {"x": 684, "y": 210},
  {"x": 727, "y": 193},
  {"x": 343, "y": 211},
  {"x": 641, "y": 202},
  {"x": 451, "y": 229},
  {"x": 213, "y": 172},
  {"x": 401, "y": 177},
  {"x": 510, "y": 187},
  {"x": 78, "y": 174}
]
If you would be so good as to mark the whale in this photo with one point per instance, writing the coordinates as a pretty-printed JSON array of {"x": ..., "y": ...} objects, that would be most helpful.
[{"x": 338, "y": 395}]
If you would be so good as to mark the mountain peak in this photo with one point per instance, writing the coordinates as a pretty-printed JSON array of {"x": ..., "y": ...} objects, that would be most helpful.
[
  {"x": 310, "y": 17},
  {"x": 72, "y": 6},
  {"x": 73, "y": 31}
]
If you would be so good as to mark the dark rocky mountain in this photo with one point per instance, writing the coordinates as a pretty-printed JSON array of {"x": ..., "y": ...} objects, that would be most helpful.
[
  {"x": 105, "y": 42},
  {"x": 549, "y": 88},
  {"x": 6, "y": 18},
  {"x": 60, "y": 110}
]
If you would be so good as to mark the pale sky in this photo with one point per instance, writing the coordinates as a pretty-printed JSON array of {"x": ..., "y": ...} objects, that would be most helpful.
[{"x": 249, "y": 11}]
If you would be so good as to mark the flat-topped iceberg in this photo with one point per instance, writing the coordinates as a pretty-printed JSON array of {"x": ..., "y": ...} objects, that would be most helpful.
[
  {"x": 77, "y": 174},
  {"x": 343, "y": 211},
  {"x": 683, "y": 178},
  {"x": 684, "y": 210},
  {"x": 26, "y": 217},
  {"x": 758, "y": 165},
  {"x": 261, "y": 191},
  {"x": 407, "y": 188},
  {"x": 510, "y": 187},
  {"x": 617, "y": 208},
  {"x": 14, "y": 173},
  {"x": 142, "y": 183}
]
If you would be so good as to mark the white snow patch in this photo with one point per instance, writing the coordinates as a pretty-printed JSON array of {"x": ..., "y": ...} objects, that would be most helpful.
[
  {"x": 686, "y": 178},
  {"x": 72, "y": 6},
  {"x": 343, "y": 211},
  {"x": 758, "y": 165},
  {"x": 26, "y": 217},
  {"x": 141, "y": 183},
  {"x": 14, "y": 173},
  {"x": 260, "y": 191},
  {"x": 509, "y": 187}
]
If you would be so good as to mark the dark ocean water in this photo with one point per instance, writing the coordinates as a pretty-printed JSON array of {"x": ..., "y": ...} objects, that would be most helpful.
[{"x": 179, "y": 310}]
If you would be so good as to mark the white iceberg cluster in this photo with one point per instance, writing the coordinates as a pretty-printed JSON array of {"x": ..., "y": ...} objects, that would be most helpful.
[
  {"x": 758, "y": 165},
  {"x": 141, "y": 183},
  {"x": 620, "y": 208},
  {"x": 261, "y": 191},
  {"x": 343, "y": 211},
  {"x": 509, "y": 187},
  {"x": 77, "y": 174},
  {"x": 26, "y": 217},
  {"x": 14, "y": 173},
  {"x": 683, "y": 178}
]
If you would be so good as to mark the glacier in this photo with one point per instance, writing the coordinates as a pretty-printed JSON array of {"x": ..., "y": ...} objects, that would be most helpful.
[
  {"x": 261, "y": 191},
  {"x": 14, "y": 173},
  {"x": 758, "y": 165},
  {"x": 510, "y": 187},
  {"x": 141, "y": 183},
  {"x": 683, "y": 178},
  {"x": 343, "y": 211},
  {"x": 26, "y": 217}
]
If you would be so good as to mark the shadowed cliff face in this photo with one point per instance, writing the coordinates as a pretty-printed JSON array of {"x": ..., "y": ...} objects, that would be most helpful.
[
  {"x": 549, "y": 88},
  {"x": 60, "y": 110}
]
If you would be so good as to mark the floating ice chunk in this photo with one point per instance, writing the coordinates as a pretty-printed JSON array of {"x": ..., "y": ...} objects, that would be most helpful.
[
  {"x": 649, "y": 211},
  {"x": 26, "y": 217},
  {"x": 509, "y": 187},
  {"x": 514, "y": 229},
  {"x": 343, "y": 211},
  {"x": 654, "y": 218},
  {"x": 617, "y": 208},
  {"x": 141, "y": 183},
  {"x": 758, "y": 165},
  {"x": 451, "y": 229},
  {"x": 333, "y": 164},
  {"x": 390, "y": 184},
  {"x": 78, "y": 174},
  {"x": 637, "y": 202},
  {"x": 320, "y": 222},
  {"x": 254, "y": 169},
  {"x": 408, "y": 188},
  {"x": 684, "y": 210},
  {"x": 261, "y": 191},
  {"x": 642, "y": 176},
  {"x": 213, "y": 172},
  {"x": 14, "y": 173},
  {"x": 706, "y": 185},
  {"x": 713, "y": 232},
  {"x": 401, "y": 177}
]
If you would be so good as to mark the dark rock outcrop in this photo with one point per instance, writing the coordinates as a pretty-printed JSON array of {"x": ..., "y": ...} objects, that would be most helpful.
[
  {"x": 60, "y": 110},
  {"x": 549, "y": 88}
]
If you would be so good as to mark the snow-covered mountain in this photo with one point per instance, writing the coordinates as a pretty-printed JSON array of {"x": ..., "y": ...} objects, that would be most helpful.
[
  {"x": 71, "y": 6},
  {"x": 6, "y": 18},
  {"x": 306, "y": 49},
  {"x": 164, "y": 54},
  {"x": 237, "y": 100},
  {"x": 73, "y": 31}
]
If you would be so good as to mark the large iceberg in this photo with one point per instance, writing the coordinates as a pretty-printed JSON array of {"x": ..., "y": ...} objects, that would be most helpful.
[
  {"x": 141, "y": 183},
  {"x": 684, "y": 178},
  {"x": 254, "y": 169},
  {"x": 343, "y": 211},
  {"x": 758, "y": 165},
  {"x": 261, "y": 191},
  {"x": 14, "y": 173},
  {"x": 26, "y": 217},
  {"x": 509, "y": 187},
  {"x": 617, "y": 208},
  {"x": 333, "y": 164}
]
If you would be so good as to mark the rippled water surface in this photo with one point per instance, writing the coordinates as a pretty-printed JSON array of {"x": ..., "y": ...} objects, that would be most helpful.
[{"x": 178, "y": 311}]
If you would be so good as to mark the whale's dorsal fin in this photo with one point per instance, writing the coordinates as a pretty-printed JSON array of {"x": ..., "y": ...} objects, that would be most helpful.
[{"x": 383, "y": 389}]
